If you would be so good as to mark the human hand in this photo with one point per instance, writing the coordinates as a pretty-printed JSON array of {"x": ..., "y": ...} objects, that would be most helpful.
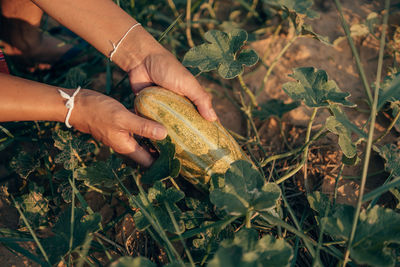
[
  {"x": 110, "y": 122},
  {"x": 160, "y": 67}
]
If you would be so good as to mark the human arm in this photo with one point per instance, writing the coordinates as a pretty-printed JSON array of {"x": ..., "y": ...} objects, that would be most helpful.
[
  {"x": 102, "y": 23},
  {"x": 103, "y": 117}
]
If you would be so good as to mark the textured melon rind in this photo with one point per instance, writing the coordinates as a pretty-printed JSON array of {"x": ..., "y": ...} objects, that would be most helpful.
[{"x": 203, "y": 147}]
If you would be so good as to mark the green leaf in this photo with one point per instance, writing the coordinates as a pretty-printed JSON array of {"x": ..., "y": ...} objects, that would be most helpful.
[
  {"x": 158, "y": 195},
  {"x": 274, "y": 108},
  {"x": 391, "y": 154},
  {"x": 34, "y": 205},
  {"x": 58, "y": 245},
  {"x": 72, "y": 149},
  {"x": 102, "y": 173},
  {"x": 247, "y": 250},
  {"x": 390, "y": 90},
  {"x": 314, "y": 88},
  {"x": 346, "y": 144},
  {"x": 297, "y": 6},
  {"x": 167, "y": 165},
  {"x": 25, "y": 163},
  {"x": 128, "y": 261},
  {"x": 222, "y": 52},
  {"x": 308, "y": 30},
  {"x": 245, "y": 189},
  {"x": 377, "y": 229},
  {"x": 198, "y": 213},
  {"x": 65, "y": 190}
]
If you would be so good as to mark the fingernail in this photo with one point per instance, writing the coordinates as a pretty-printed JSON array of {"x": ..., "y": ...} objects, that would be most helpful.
[
  {"x": 211, "y": 115},
  {"x": 159, "y": 133}
]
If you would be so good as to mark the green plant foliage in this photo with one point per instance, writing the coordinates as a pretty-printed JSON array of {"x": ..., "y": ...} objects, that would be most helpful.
[
  {"x": 245, "y": 189},
  {"x": 128, "y": 261},
  {"x": 158, "y": 195},
  {"x": 34, "y": 205},
  {"x": 274, "y": 108},
  {"x": 65, "y": 190},
  {"x": 57, "y": 245},
  {"x": 346, "y": 144},
  {"x": 102, "y": 173},
  {"x": 307, "y": 30},
  {"x": 25, "y": 163},
  {"x": 167, "y": 165},
  {"x": 198, "y": 213},
  {"x": 391, "y": 154},
  {"x": 395, "y": 106},
  {"x": 298, "y": 6},
  {"x": 377, "y": 229},
  {"x": 222, "y": 52},
  {"x": 390, "y": 90},
  {"x": 314, "y": 88},
  {"x": 247, "y": 250},
  {"x": 73, "y": 149}
]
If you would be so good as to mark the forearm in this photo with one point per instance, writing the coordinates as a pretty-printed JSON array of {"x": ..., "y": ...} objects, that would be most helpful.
[
  {"x": 101, "y": 23},
  {"x": 24, "y": 100}
]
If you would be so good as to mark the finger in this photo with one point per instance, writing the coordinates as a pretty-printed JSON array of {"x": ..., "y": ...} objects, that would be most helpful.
[
  {"x": 144, "y": 127},
  {"x": 138, "y": 153},
  {"x": 183, "y": 82},
  {"x": 123, "y": 143}
]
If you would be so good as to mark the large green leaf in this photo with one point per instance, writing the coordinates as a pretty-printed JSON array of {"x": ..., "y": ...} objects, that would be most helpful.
[
  {"x": 391, "y": 154},
  {"x": 245, "y": 189},
  {"x": 73, "y": 149},
  {"x": 377, "y": 230},
  {"x": 159, "y": 196},
  {"x": 165, "y": 166},
  {"x": 25, "y": 163},
  {"x": 314, "y": 88},
  {"x": 128, "y": 261},
  {"x": 222, "y": 53},
  {"x": 57, "y": 245},
  {"x": 102, "y": 173},
  {"x": 274, "y": 108},
  {"x": 245, "y": 250}
]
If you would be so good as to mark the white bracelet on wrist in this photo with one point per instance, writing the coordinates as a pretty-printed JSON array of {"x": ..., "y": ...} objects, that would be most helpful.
[
  {"x": 69, "y": 104},
  {"x": 115, "y": 46}
]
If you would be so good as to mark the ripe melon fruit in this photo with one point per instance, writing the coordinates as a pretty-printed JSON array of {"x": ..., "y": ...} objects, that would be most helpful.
[{"x": 203, "y": 147}]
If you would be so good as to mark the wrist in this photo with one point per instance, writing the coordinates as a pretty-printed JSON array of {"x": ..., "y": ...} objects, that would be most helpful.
[{"x": 135, "y": 48}]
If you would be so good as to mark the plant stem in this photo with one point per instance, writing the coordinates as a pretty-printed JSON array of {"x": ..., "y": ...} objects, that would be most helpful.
[
  {"x": 31, "y": 231},
  {"x": 296, "y": 223},
  {"x": 305, "y": 155},
  {"x": 247, "y": 90},
  {"x": 370, "y": 134},
  {"x": 379, "y": 138},
  {"x": 171, "y": 215},
  {"x": 273, "y": 64},
  {"x": 355, "y": 52},
  {"x": 249, "y": 214},
  {"x": 188, "y": 23},
  {"x": 294, "y": 151},
  {"x": 305, "y": 152}
]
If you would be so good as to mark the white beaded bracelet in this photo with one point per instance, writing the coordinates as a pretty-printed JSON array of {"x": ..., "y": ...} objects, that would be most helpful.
[
  {"x": 69, "y": 104},
  {"x": 115, "y": 47}
]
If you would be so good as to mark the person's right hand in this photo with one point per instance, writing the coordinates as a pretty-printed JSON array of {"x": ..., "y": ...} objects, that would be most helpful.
[{"x": 110, "y": 122}]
